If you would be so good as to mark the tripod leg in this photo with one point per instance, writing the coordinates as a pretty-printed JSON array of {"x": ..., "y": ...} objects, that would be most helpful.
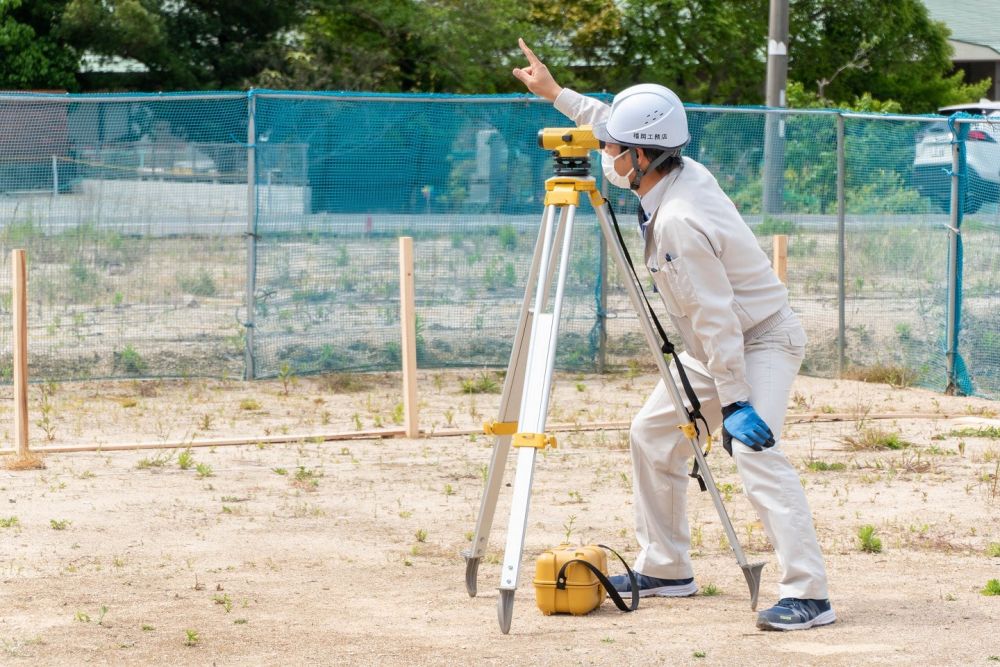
[
  {"x": 534, "y": 407},
  {"x": 557, "y": 240},
  {"x": 510, "y": 406},
  {"x": 750, "y": 571}
]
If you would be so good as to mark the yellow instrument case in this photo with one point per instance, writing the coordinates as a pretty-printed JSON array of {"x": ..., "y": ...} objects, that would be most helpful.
[{"x": 582, "y": 592}]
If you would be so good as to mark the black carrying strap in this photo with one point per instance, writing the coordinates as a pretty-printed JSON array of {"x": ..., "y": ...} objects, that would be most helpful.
[
  {"x": 612, "y": 593},
  {"x": 667, "y": 348}
]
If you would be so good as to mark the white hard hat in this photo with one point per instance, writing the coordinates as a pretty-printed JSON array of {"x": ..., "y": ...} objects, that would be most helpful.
[{"x": 645, "y": 115}]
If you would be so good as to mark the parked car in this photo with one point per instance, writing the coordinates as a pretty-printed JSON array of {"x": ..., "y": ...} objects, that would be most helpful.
[{"x": 932, "y": 160}]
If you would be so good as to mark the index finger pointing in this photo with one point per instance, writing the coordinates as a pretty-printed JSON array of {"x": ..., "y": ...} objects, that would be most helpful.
[{"x": 532, "y": 58}]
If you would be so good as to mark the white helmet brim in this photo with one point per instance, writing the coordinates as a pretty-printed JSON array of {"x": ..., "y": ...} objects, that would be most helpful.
[{"x": 600, "y": 129}]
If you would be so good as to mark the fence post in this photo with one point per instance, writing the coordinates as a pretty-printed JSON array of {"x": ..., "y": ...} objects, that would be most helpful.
[
  {"x": 602, "y": 298},
  {"x": 249, "y": 372},
  {"x": 775, "y": 96},
  {"x": 408, "y": 334},
  {"x": 19, "y": 304},
  {"x": 953, "y": 319},
  {"x": 841, "y": 252},
  {"x": 55, "y": 176}
]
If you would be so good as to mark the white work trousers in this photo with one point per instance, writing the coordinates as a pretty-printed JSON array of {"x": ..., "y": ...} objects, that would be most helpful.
[{"x": 661, "y": 453}]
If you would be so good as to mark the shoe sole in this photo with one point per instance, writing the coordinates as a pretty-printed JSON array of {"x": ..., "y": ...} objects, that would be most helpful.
[
  {"x": 682, "y": 591},
  {"x": 826, "y": 618}
]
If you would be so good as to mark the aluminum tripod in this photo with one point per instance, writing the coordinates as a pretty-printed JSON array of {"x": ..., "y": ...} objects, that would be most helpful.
[{"x": 526, "y": 390}]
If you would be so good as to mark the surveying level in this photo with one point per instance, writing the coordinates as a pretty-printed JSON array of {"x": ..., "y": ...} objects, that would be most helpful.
[
  {"x": 570, "y": 148},
  {"x": 527, "y": 386}
]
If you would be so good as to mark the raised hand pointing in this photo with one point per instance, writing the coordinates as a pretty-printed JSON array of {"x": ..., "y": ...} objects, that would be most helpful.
[{"x": 536, "y": 76}]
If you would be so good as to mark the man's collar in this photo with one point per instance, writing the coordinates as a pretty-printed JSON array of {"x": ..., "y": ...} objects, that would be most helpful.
[{"x": 652, "y": 198}]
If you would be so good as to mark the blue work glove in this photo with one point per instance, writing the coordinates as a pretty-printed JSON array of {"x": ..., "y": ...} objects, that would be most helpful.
[{"x": 741, "y": 421}]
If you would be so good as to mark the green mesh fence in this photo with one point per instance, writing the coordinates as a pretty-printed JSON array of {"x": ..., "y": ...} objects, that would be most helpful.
[
  {"x": 131, "y": 210},
  {"x": 255, "y": 234},
  {"x": 342, "y": 177}
]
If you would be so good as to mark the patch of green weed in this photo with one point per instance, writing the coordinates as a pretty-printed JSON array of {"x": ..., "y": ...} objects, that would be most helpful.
[{"x": 869, "y": 543}]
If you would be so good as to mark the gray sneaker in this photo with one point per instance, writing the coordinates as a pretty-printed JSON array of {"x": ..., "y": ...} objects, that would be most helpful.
[
  {"x": 796, "y": 614},
  {"x": 651, "y": 586}
]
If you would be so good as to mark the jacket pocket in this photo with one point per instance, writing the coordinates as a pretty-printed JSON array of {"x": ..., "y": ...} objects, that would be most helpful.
[{"x": 675, "y": 287}]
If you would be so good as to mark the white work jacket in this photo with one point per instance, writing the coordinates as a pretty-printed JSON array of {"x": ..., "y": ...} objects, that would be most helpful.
[{"x": 715, "y": 281}]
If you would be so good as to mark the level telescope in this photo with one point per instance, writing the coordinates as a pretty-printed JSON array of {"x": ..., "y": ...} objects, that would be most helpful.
[{"x": 570, "y": 148}]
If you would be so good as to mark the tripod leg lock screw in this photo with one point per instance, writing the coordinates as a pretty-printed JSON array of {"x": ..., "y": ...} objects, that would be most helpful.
[
  {"x": 493, "y": 427},
  {"x": 536, "y": 440}
]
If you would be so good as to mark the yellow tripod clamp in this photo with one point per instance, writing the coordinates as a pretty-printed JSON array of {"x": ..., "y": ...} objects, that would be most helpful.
[
  {"x": 493, "y": 427},
  {"x": 536, "y": 440},
  {"x": 691, "y": 432}
]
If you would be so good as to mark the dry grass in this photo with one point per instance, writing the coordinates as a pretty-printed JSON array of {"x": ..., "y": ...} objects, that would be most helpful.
[
  {"x": 869, "y": 439},
  {"x": 894, "y": 376},
  {"x": 992, "y": 432},
  {"x": 352, "y": 383},
  {"x": 29, "y": 462}
]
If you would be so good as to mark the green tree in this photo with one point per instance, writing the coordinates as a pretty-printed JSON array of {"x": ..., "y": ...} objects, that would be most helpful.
[
  {"x": 192, "y": 44},
  {"x": 713, "y": 51},
  {"x": 458, "y": 46},
  {"x": 31, "y": 54},
  {"x": 377, "y": 45},
  {"x": 708, "y": 51},
  {"x": 842, "y": 49},
  {"x": 583, "y": 40}
]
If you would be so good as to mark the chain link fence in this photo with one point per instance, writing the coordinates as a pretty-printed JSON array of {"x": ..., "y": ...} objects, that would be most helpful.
[{"x": 254, "y": 234}]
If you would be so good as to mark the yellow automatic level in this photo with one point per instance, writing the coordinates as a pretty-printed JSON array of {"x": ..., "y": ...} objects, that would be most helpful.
[{"x": 568, "y": 141}]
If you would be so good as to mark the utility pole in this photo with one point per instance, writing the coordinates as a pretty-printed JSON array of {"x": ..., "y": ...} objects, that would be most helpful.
[{"x": 774, "y": 128}]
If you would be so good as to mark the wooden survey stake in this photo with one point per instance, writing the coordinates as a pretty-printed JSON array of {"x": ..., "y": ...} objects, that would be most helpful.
[
  {"x": 19, "y": 304},
  {"x": 408, "y": 326}
]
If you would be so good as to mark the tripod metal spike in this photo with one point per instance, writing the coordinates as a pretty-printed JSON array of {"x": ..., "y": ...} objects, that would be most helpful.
[
  {"x": 752, "y": 574},
  {"x": 471, "y": 572},
  {"x": 505, "y": 609}
]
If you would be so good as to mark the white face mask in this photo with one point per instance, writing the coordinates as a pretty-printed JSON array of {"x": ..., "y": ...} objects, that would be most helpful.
[{"x": 608, "y": 167}]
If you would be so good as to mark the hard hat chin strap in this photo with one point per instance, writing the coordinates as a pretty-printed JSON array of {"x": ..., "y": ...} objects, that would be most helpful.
[{"x": 639, "y": 173}]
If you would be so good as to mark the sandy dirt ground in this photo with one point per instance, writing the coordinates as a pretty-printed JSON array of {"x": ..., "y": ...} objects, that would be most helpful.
[{"x": 348, "y": 552}]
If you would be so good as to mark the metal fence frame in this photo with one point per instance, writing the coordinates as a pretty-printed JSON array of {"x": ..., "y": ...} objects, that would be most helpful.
[{"x": 959, "y": 124}]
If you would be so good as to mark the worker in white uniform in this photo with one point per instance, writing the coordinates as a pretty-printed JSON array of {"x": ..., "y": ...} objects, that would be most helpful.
[{"x": 744, "y": 346}]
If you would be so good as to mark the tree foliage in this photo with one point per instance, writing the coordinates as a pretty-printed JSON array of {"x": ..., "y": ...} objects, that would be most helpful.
[
  {"x": 460, "y": 46},
  {"x": 186, "y": 44},
  {"x": 709, "y": 51},
  {"x": 890, "y": 49},
  {"x": 31, "y": 54},
  {"x": 714, "y": 52}
]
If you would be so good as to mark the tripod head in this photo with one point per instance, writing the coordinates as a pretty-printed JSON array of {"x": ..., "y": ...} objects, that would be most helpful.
[{"x": 570, "y": 148}]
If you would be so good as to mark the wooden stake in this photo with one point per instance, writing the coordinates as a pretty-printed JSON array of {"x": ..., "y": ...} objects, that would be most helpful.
[
  {"x": 19, "y": 304},
  {"x": 408, "y": 327},
  {"x": 781, "y": 257}
]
